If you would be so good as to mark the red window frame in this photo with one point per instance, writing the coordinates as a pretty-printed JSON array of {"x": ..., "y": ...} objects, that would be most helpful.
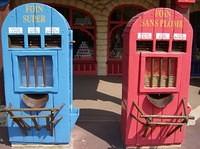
[
  {"x": 114, "y": 65},
  {"x": 160, "y": 89},
  {"x": 86, "y": 65}
]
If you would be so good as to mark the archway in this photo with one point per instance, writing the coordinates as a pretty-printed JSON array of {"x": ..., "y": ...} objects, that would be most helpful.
[
  {"x": 84, "y": 30},
  {"x": 118, "y": 19}
]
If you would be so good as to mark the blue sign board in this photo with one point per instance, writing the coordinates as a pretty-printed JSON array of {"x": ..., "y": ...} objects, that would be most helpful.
[{"x": 37, "y": 61}]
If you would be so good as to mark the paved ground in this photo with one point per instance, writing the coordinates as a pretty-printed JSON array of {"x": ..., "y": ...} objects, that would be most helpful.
[{"x": 99, "y": 99}]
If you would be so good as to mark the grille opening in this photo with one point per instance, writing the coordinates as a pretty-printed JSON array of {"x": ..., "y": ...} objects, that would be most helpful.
[
  {"x": 35, "y": 100},
  {"x": 158, "y": 96},
  {"x": 162, "y": 46},
  {"x": 179, "y": 46},
  {"x": 160, "y": 72},
  {"x": 36, "y": 71},
  {"x": 52, "y": 41},
  {"x": 16, "y": 41},
  {"x": 34, "y": 41},
  {"x": 160, "y": 100},
  {"x": 144, "y": 45}
]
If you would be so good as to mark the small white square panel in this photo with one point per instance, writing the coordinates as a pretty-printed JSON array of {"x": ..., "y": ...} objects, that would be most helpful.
[
  {"x": 165, "y": 36},
  {"x": 33, "y": 30},
  {"x": 180, "y": 36},
  {"x": 144, "y": 35},
  {"x": 15, "y": 30},
  {"x": 52, "y": 30}
]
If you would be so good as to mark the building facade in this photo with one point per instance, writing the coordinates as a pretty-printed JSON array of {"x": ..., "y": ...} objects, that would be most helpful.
[{"x": 98, "y": 27}]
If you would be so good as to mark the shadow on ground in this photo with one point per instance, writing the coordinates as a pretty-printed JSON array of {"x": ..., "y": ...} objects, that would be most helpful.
[
  {"x": 86, "y": 87},
  {"x": 100, "y": 124},
  {"x": 195, "y": 82},
  {"x": 4, "y": 142},
  {"x": 103, "y": 127}
]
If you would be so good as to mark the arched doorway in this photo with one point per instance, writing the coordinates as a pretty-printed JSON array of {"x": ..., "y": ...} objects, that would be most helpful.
[
  {"x": 118, "y": 19},
  {"x": 195, "y": 21},
  {"x": 84, "y": 32}
]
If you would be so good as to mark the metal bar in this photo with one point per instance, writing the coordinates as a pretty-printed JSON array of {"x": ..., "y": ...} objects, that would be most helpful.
[
  {"x": 19, "y": 120},
  {"x": 160, "y": 77},
  {"x": 137, "y": 119},
  {"x": 35, "y": 123},
  {"x": 44, "y": 70},
  {"x": 23, "y": 125},
  {"x": 47, "y": 123},
  {"x": 138, "y": 108},
  {"x": 184, "y": 106},
  {"x": 169, "y": 71},
  {"x": 166, "y": 123},
  {"x": 152, "y": 66},
  {"x": 16, "y": 120},
  {"x": 31, "y": 116},
  {"x": 55, "y": 122},
  {"x": 27, "y": 71},
  {"x": 141, "y": 112},
  {"x": 164, "y": 116},
  {"x": 175, "y": 129},
  {"x": 184, "y": 110},
  {"x": 29, "y": 109},
  {"x": 20, "y": 123},
  {"x": 35, "y": 71},
  {"x": 57, "y": 111},
  {"x": 51, "y": 123},
  {"x": 146, "y": 127}
]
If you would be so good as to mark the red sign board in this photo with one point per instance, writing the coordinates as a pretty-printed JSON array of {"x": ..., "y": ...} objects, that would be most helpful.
[{"x": 156, "y": 74}]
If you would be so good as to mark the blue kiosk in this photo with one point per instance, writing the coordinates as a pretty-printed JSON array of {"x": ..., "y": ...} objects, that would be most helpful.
[{"x": 37, "y": 61}]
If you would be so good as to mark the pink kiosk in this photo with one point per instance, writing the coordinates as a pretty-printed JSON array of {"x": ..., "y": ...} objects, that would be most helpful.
[{"x": 156, "y": 75}]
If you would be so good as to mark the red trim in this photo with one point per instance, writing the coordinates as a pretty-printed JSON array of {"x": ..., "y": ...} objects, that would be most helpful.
[
  {"x": 114, "y": 67},
  {"x": 186, "y": 1},
  {"x": 114, "y": 63},
  {"x": 160, "y": 89},
  {"x": 85, "y": 67},
  {"x": 114, "y": 28},
  {"x": 84, "y": 30},
  {"x": 82, "y": 66}
]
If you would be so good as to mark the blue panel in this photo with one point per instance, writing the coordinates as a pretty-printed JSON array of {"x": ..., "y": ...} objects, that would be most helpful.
[{"x": 37, "y": 60}]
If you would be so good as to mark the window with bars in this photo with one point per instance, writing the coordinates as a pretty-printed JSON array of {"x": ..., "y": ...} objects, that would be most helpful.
[
  {"x": 118, "y": 19},
  {"x": 160, "y": 72},
  {"x": 34, "y": 41},
  {"x": 35, "y": 71},
  {"x": 16, "y": 41},
  {"x": 144, "y": 45},
  {"x": 84, "y": 32}
]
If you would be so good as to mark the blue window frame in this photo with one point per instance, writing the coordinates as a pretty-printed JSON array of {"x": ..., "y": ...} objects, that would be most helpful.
[{"x": 35, "y": 71}]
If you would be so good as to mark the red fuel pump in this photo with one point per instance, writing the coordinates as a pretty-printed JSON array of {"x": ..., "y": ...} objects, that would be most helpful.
[{"x": 156, "y": 73}]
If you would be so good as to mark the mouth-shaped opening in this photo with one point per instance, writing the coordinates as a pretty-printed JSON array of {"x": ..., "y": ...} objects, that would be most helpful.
[
  {"x": 160, "y": 100},
  {"x": 35, "y": 100}
]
